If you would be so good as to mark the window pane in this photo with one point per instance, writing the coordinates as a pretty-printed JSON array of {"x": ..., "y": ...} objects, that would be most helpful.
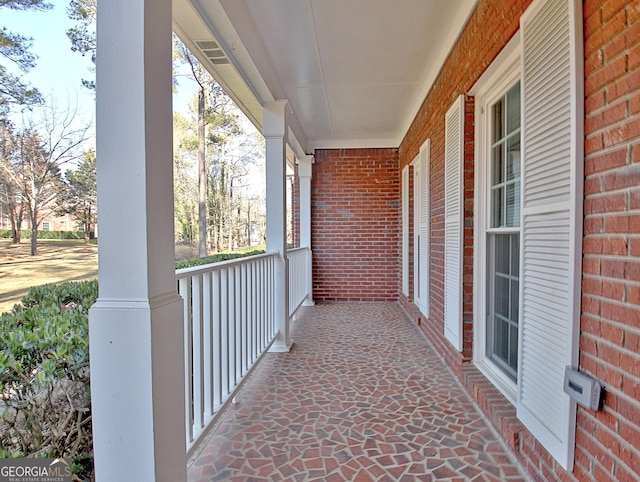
[
  {"x": 513, "y": 347},
  {"x": 502, "y": 297},
  {"x": 515, "y": 255},
  {"x": 513, "y": 108},
  {"x": 502, "y": 252},
  {"x": 513, "y": 158},
  {"x": 504, "y": 303},
  {"x": 512, "y": 216},
  {"x": 498, "y": 164},
  {"x": 515, "y": 299},
  {"x": 498, "y": 131},
  {"x": 497, "y": 219}
]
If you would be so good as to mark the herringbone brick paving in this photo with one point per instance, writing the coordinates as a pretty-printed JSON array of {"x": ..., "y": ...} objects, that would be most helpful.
[{"x": 362, "y": 396}]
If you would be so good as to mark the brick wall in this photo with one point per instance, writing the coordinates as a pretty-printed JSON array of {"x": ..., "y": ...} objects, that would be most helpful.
[
  {"x": 608, "y": 441},
  {"x": 489, "y": 28},
  {"x": 355, "y": 224}
]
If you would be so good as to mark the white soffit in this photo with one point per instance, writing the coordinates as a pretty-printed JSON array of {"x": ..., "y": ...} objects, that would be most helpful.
[{"x": 355, "y": 72}]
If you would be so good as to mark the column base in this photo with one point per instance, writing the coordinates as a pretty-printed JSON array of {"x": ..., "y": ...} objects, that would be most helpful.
[{"x": 280, "y": 347}]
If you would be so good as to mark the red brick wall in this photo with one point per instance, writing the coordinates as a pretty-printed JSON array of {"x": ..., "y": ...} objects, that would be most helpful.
[
  {"x": 608, "y": 441},
  {"x": 355, "y": 224},
  {"x": 489, "y": 28}
]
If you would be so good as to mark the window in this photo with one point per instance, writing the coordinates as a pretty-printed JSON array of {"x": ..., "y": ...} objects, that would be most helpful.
[
  {"x": 46, "y": 226},
  {"x": 503, "y": 233},
  {"x": 498, "y": 221},
  {"x": 528, "y": 218}
]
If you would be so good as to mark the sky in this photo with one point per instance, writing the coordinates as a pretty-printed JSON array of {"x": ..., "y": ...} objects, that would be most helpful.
[{"x": 59, "y": 71}]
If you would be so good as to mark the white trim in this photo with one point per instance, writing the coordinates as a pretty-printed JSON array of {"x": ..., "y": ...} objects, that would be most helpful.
[
  {"x": 422, "y": 227},
  {"x": 405, "y": 230},
  {"x": 415, "y": 163}
]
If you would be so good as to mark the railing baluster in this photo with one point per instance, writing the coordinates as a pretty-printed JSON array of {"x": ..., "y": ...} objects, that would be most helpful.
[
  {"x": 224, "y": 331},
  {"x": 238, "y": 323},
  {"x": 228, "y": 326},
  {"x": 207, "y": 337},
  {"x": 217, "y": 341},
  {"x": 196, "y": 327},
  {"x": 184, "y": 288}
]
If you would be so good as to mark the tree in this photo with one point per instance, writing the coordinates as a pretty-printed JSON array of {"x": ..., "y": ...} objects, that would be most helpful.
[
  {"x": 201, "y": 77},
  {"x": 83, "y": 35},
  {"x": 79, "y": 194},
  {"x": 185, "y": 145},
  {"x": 11, "y": 202},
  {"x": 40, "y": 153},
  {"x": 14, "y": 50}
]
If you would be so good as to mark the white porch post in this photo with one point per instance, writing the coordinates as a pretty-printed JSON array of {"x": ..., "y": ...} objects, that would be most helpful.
[
  {"x": 305, "y": 168},
  {"x": 136, "y": 327},
  {"x": 274, "y": 122}
]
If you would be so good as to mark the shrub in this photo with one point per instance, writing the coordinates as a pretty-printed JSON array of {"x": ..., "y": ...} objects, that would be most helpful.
[
  {"x": 216, "y": 258},
  {"x": 26, "y": 234},
  {"x": 44, "y": 375}
]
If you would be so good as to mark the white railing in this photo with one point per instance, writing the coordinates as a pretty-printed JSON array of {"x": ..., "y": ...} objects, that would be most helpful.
[
  {"x": 297, "y": 278},
  {"x": 229, "y": 325}
]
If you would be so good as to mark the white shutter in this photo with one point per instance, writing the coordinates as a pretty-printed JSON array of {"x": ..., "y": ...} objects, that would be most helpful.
[
  {"x": 423, "y": 228},
  {"x": 453, "y": 226},
  {"x": 551, "y": 220},
  {"x": 405, "y": 230}
]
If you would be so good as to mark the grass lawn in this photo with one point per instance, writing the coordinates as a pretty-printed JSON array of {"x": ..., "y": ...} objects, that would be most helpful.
[{"x": 57, "y": 261}]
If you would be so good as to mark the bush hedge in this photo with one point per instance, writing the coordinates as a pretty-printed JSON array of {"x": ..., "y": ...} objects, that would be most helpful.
[
  {"x": 26, "y": 234},
  {"x": 216, "y": 258},
  {"x": 44, "y": 375},
  {"x": 45, "y": 404}
]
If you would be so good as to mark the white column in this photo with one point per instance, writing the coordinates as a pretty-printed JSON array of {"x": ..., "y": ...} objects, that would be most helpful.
[
  {"x": 305, "y": 169},
  {"x": 136, "y": 327},
  {"x": 274, "y": 124}
]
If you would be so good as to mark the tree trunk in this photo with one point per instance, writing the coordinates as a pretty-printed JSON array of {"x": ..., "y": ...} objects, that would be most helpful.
[
  {"x": 202, "y": 178},
  {"x": 34, "y": 239},
  {"x": 33, "y": 217}
]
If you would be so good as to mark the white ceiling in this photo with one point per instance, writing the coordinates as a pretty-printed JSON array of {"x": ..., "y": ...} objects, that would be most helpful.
[{"x": 354, "y": 71}]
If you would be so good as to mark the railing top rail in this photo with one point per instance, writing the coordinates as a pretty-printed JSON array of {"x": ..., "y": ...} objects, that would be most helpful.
[
  {"x": 301, "y": 248},
  {"x": 195, "y": 270}
]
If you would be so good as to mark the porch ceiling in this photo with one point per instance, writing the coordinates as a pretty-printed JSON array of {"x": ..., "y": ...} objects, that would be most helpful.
[{"x": 354, "y": 71}]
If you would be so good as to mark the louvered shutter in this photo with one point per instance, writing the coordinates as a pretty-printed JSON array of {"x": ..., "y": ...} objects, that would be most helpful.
[
  {"x": 405, "y": 230},
  {"x": 453, "y": 227},
  {"x": 423, "y": 229},
  {"x": 551, "y": 220}
]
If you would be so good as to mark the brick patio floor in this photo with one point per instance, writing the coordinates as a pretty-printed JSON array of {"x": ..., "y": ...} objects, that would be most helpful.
[{"x": 362, "y": 396}]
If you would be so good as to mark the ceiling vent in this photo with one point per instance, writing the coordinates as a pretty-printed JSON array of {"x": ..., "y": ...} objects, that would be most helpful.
[{"x": 213, "y": 52}]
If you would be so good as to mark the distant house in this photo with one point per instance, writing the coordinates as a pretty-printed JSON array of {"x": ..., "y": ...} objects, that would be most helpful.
[{"x": 49, "y": 221}]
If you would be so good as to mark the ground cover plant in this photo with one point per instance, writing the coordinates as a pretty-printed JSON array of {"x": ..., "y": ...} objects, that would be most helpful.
[{"x": 44, "y": 375}]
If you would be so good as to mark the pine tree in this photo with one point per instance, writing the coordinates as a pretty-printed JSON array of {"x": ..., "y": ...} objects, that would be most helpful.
[
  {"x": 79, "y": 194},
  {"x": 15, "y": 51}
]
